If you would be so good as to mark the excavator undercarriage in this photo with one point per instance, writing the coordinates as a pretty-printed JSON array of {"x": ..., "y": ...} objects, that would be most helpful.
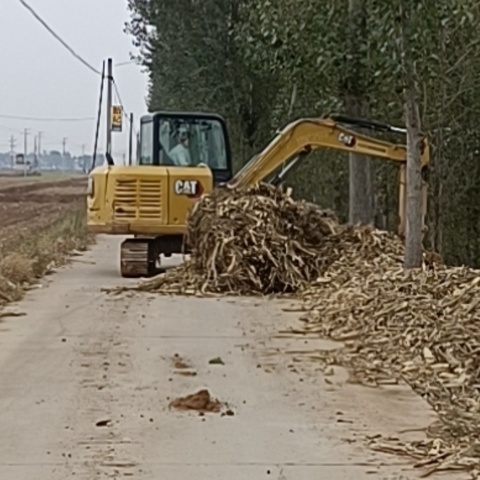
[{"x": 140, "y": 256}]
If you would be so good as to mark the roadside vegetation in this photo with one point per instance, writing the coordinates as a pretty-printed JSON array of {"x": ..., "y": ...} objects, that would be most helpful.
[{"x": 39, "y": 233}]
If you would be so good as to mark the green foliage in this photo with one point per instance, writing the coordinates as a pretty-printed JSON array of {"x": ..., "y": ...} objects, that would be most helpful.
[{"x": 262, "y": 63}]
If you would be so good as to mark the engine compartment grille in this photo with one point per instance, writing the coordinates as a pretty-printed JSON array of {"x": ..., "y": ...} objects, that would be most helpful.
[{"x": 137, "y": 199}]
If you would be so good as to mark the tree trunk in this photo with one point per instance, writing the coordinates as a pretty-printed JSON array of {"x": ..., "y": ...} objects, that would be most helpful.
[
  {"x": 361, "y": 195},
  {"x": 413, "y": 240},
  {"x": 414, "y": 214},
  {"x": 361, "y": 208}
]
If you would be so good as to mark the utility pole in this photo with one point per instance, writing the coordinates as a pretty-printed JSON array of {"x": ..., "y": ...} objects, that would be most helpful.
[
  {"x": 25, "y": 148},
  {"x": 138, "y": 149},
  {"x": 35, "y": 146},
  {"x": 130, "y": 141},
  {"x": 40, "y": 135},
  {"x": 13, "y": 142},
  {"x": 64, "y": 152},
  {"x": 84, "y": 162},
  {"x": 109, "y": 106}
]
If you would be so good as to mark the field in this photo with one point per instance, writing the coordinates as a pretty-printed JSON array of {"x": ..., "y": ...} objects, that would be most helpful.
[
  {"x": 10, "y": 180},
  {"x": 42, "y": 219}
]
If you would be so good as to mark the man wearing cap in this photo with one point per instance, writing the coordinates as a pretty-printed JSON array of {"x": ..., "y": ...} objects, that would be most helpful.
[{"x": 180, "y": 153}]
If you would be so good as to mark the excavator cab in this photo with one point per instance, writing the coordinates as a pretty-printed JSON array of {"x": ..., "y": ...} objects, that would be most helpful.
[
  {"x": 180, "y": 157},
  {"x": 189, "y": 140}
]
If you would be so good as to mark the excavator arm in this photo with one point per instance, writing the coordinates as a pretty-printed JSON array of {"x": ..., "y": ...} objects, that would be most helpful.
[{"x": 303, "y": 136}]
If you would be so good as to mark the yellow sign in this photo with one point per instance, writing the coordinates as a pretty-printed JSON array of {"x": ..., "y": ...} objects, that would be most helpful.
[{"x": 117, "y": 118}]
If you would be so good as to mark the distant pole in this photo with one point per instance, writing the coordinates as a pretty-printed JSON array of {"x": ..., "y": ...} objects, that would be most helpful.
[
  {"x": 35, "y": 146},
  {"x": 64, "y": 152},
  {"x": 130, "y": 141},
  {"x": 40, "y": 134},
  {"x": 13, "y": 141},
  {"x": 138, "y": 150},
  {"x": 84, "y": 163},
  {"x": 25, "y": 148},
  {"x": 109, "y": 105}
]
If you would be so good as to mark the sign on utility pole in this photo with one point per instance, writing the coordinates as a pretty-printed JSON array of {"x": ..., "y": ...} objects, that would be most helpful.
[{"x": 117, "y": 118}]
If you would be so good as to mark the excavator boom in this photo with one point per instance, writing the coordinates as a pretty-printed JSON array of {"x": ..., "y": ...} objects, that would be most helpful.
[
  {"x": 310, "y": 134},
  {"x": 307, "y": 135}
]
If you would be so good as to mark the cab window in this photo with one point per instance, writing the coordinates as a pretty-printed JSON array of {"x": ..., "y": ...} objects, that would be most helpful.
[
  {"x": 191, "y": 141},
  {"x": 146, "y": 143}
]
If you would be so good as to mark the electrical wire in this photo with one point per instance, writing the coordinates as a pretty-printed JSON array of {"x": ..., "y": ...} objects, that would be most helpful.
[
  {"x": 99, "y": 116},
  {"x": 41, "y": 119},
  {"x": 11, "y": 129},
  {"x": 122, "y": 64},
  {"x": 82, "y": 60},
  {"x": 47, "y": 134},
  {"x": 70, "y": 49}
]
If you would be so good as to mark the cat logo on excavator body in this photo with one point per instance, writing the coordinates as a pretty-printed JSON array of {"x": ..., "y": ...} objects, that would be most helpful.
[{"x": 189, "y": 188}]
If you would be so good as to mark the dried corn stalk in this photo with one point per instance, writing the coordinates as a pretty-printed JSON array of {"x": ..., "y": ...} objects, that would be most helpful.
[{"x": 259, "y": 240}]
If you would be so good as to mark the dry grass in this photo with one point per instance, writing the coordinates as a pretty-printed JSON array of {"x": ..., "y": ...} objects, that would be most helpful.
[{"x": 34, "y": 254}]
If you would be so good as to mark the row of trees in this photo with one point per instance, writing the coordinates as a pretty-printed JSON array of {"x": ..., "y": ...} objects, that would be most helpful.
[{"x": 262, "y": 63}]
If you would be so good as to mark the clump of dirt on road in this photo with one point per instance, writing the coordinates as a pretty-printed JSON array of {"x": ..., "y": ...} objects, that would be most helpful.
[
  {"x": 200, "y": 401},
  {"x": 179, "y": 363},
  {"x": 182, "y": 367}
]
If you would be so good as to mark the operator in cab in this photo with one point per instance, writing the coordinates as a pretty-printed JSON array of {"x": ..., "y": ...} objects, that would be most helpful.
[{"x": 180, "y": 154}]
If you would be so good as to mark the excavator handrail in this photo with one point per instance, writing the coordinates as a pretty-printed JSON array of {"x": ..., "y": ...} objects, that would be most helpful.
[{"x": 308, "y": 134}]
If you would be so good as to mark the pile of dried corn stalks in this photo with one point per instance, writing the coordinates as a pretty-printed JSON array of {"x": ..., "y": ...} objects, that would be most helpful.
[
  {"x": 255, "y": 240},
  {"x": 422, "y": 327}
]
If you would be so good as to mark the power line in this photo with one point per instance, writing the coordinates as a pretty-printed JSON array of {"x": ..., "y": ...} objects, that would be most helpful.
[
  {"x": 70, "y": 49},
  {"x": 122, "y": 64},
  {"x": 43, "y": 119},
  {"x": 78, "y": 57},
  {"x": 16, "y": 130},
  {"x": 21, "y": 132}
]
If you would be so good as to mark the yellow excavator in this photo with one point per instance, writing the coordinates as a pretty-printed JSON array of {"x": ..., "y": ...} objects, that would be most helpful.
[{"x": 185, "y": 155}]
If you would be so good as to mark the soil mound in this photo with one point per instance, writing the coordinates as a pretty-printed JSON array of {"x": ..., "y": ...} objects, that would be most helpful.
[{"x": 200, "y": 401}]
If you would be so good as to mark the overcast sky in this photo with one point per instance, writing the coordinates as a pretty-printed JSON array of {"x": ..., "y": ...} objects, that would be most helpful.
[{"x": 40, "y": 78}]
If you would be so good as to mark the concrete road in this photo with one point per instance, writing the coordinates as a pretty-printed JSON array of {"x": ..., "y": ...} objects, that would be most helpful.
[{"x": 86, "y": 380}]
